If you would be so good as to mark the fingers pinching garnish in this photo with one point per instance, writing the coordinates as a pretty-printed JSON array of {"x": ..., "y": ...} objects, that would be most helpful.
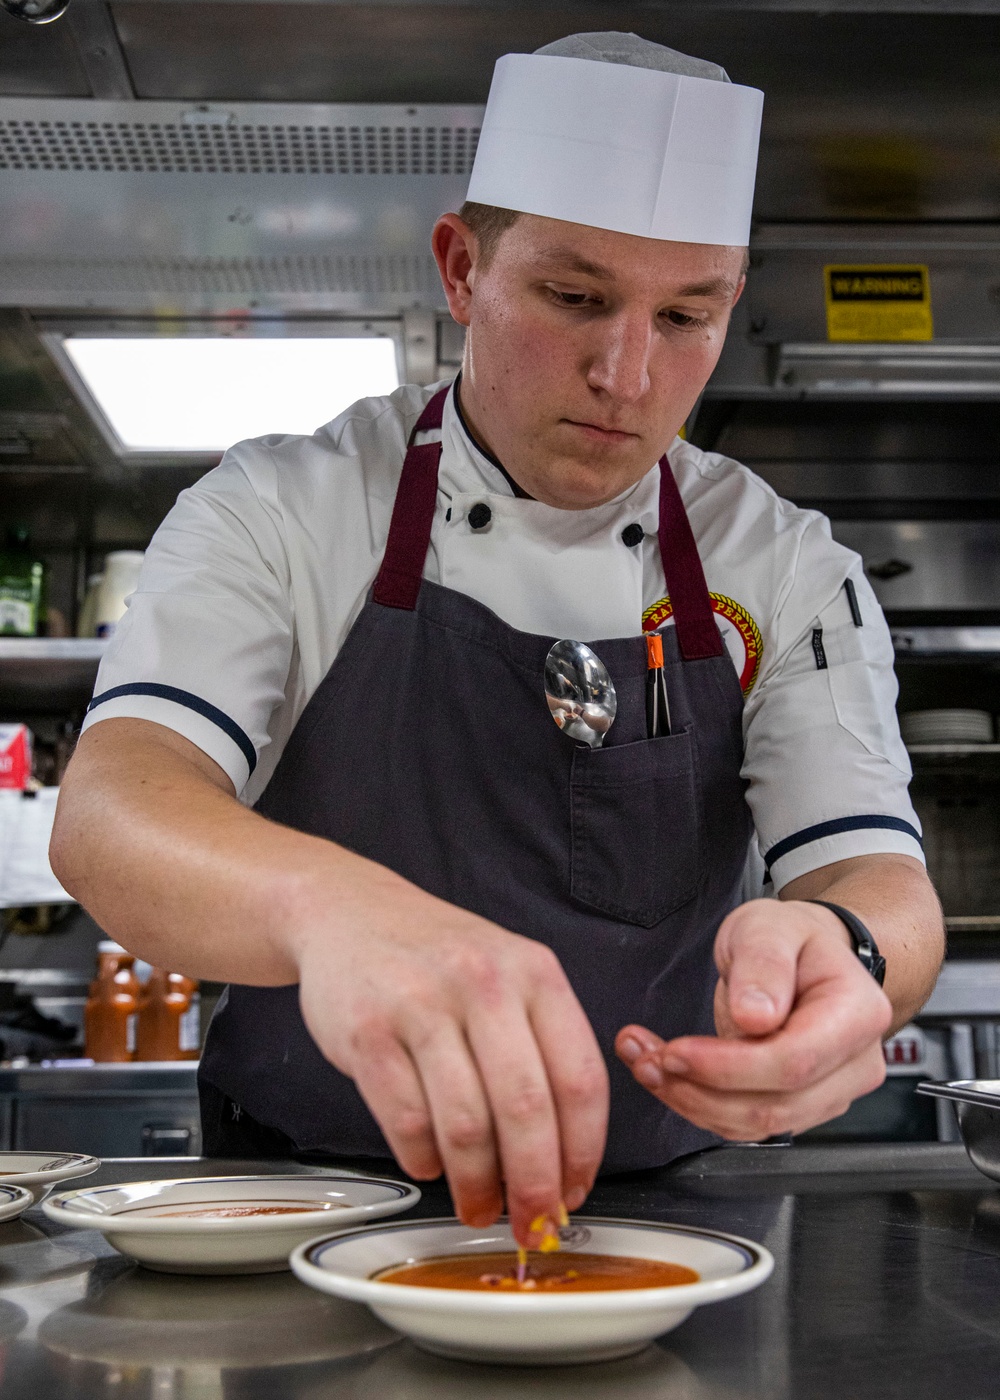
[{"x": 547, "y": 1230}]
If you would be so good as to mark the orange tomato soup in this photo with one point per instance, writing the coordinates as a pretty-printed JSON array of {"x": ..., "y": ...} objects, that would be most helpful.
[{"x": 546, "y": 1273}]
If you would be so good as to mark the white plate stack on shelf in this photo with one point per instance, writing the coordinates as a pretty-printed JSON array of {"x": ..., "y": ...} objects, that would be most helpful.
[{"x": 947, "y": 727}]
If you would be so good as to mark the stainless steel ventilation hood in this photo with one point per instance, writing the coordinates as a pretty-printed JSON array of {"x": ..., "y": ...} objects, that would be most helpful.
[
  {"x": 179, "y": 209},
  {"x": 197, "y": 208}
]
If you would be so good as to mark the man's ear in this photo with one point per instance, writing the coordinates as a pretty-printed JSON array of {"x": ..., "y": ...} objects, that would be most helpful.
[{"x": 456, "y": 248}]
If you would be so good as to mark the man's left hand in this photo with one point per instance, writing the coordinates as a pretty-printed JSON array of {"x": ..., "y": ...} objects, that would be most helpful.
[{"x": 800, "y": 1026}]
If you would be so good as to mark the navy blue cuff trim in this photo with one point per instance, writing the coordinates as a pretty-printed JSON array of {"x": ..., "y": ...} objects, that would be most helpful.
[
  {"x": 190, "y": 702},
  {"x": 834, "y": 828}
]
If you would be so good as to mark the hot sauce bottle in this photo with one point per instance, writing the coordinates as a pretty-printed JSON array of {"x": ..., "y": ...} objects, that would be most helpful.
[
  {"x": 109, "y": 1018},
  {"x": 167, "y": 1010}
]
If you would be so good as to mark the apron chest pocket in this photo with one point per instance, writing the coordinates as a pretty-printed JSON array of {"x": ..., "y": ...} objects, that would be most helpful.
[{"x": 636, "y": 828}]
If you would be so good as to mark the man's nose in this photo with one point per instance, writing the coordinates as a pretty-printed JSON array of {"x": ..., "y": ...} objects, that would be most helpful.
[{"x": 620, "y": 363}]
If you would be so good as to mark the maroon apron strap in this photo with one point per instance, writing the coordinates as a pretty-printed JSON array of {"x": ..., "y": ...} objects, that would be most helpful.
[
  {"x": 398, "y": 580},
  {"x": 397, "y": 583},
  {"x": 697, "y": 633}
]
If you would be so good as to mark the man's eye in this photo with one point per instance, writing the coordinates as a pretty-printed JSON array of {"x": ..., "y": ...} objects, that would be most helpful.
[
  {"x": 571, "y": 298},
  {"x": 681, "y": 319}
]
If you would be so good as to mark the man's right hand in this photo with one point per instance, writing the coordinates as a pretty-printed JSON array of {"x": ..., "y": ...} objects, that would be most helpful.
[
  {"x": 466, "y": 1041},
  {"x": 468, "y": 1045}
]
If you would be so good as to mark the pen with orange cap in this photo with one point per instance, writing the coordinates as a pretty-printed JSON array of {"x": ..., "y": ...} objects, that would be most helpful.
[{"x": 657, "y": 705}]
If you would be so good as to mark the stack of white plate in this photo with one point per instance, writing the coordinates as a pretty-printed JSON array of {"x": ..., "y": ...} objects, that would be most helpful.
[{"x": 947, "y": 727}]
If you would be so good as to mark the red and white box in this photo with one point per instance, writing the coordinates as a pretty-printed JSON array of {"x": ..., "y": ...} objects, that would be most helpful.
[{"x": 15, "y": 756}]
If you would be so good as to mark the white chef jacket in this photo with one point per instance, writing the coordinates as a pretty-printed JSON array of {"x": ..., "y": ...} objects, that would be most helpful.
[{"x": 253, "y": 581}]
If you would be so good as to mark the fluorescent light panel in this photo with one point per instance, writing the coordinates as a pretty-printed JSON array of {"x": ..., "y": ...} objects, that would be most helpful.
[{"x": 201, "y": 394}]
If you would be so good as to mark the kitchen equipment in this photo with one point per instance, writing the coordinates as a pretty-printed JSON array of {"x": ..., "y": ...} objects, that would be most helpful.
[
  {"x": 121, "y": 577},
  {"x": 22, "y": 586},
  {"x": 86, "y": 622},
  {"x": 109, "y": 1017},
  {"x": 253, "y": 1225},
  {"x": 167, "y": 1027},
  {"x": 531, "y": 1328},
  {"x": 580, "y": 693},
  {"x": 38, "y": 1172},
  {"x": 111, "y": 1110},
  {"x": 977, "y": 1104},
  {"x": 947, "y": 727},
  {"x": 15, "y": 756}
]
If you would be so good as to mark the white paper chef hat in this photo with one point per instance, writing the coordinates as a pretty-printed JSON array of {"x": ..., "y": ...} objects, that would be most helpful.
[{"x": 616, "y": 132}]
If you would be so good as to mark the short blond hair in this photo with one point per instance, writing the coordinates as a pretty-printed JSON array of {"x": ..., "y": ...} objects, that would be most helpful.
[{"x": 488, "y": 223}]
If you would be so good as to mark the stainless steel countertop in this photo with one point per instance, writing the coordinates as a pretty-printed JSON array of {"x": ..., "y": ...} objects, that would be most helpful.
[{"x": 887, "y": 1286}]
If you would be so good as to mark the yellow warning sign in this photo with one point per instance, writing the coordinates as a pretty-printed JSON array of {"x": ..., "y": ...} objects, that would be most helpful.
[{"x": 878, "y": 302}]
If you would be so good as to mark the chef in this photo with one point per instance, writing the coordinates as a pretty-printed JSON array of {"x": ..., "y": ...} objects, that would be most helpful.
[{"x": 319, "y": 764}]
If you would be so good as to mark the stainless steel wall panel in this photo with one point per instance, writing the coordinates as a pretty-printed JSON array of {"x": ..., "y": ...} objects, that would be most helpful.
[
  {"x": 99, "y": 51},
  {"x": 939, "y": 564},
  {"x": 875, "y": 487},
  {"x": 107, "y": 1127},
  {"x": 961, "y": 839},
  {"x": 863, "y": 457},
  {"x": 39, "y": 61},
  {"x": 785, "y": 291}
]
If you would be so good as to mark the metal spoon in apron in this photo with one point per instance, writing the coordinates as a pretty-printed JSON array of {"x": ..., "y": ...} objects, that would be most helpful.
[{"x": 580, "y": 692}]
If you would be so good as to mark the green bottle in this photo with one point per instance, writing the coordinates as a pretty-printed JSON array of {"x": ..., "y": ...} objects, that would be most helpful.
[{"x": 22, "y": 586}]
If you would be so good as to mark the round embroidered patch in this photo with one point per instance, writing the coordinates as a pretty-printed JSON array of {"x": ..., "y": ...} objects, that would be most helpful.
[{"x": 742, "y": 635}]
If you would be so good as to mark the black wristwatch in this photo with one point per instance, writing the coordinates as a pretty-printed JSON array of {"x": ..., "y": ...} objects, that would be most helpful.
[{"x": 864, "y": 945}]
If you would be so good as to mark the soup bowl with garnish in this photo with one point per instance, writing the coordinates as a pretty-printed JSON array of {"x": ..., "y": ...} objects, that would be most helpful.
[
  {"x": 457, "y": 1291},
  {"x": 227, "y": 1224}
]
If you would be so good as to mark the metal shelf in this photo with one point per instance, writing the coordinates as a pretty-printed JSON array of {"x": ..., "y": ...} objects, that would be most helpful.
[
  {"x": 47, "y": 674},
  {"x": 42, "y": 649},
  {"x": 952, "y": 750},
  {"x": 972, "y": 923},
  {"x": 946, "y": 641},
  {"x": 956, "y": 761},
  {"x": 965, "y": 989}
]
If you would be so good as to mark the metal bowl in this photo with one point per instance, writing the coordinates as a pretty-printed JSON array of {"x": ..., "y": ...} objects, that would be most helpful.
[{"x": 977, "y": 1105}]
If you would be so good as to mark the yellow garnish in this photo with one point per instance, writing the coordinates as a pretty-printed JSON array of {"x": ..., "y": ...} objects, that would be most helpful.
[
  {"x": 542, "y": 1225},
  {"x": 549, "y": 1243}
]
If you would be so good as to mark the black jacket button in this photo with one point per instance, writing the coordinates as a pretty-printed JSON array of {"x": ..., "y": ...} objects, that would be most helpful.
[
  {"x": 633, "y": 535},
  {"x": 480, "y": 516}
]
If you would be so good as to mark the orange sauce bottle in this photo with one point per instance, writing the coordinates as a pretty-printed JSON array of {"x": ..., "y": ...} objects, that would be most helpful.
[
  {"x": 109, "y": 1017},
  {"x": 166, "y": 1010}
]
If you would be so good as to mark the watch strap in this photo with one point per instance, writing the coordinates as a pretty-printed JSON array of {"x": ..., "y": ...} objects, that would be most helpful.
[{"x": 864, "y": 944}]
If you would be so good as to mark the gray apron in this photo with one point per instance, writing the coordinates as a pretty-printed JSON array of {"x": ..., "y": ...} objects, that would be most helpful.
[{"x": 623, "y": 859}]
